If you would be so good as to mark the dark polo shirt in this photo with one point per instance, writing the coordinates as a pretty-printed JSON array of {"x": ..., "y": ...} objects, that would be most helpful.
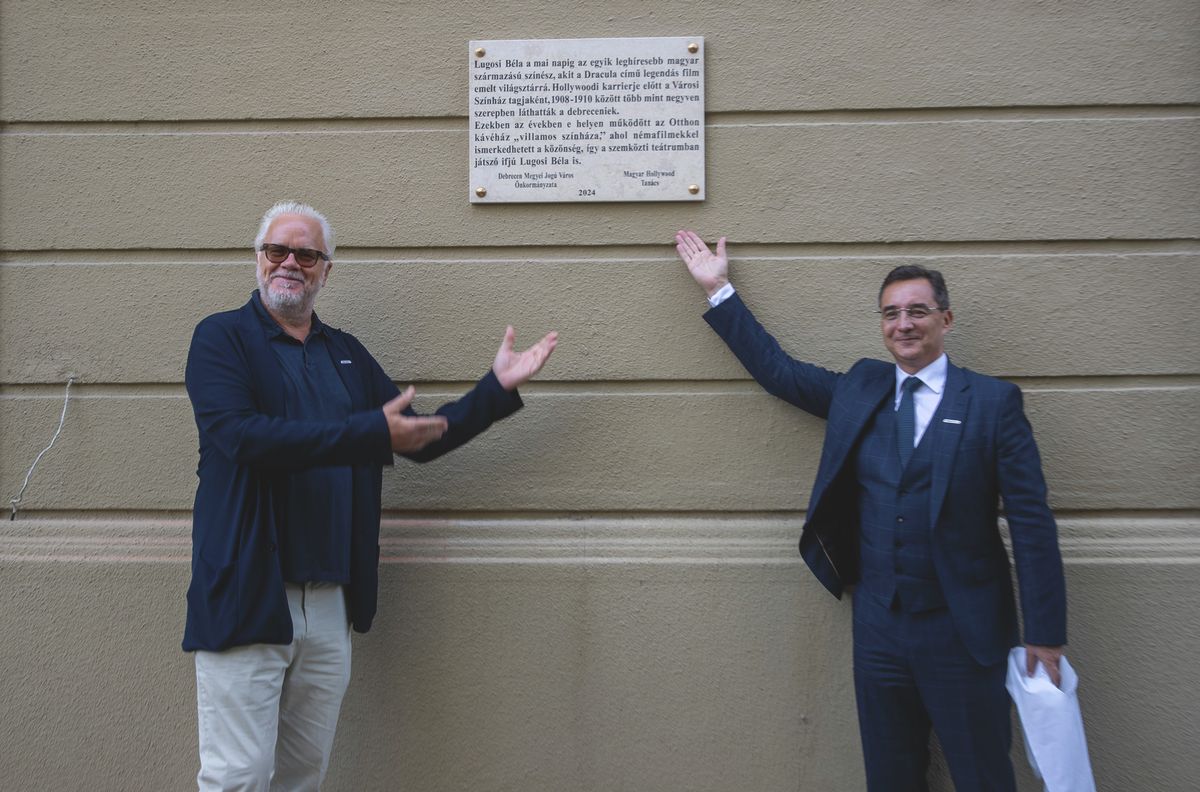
[{"x": 314, "y": 528}]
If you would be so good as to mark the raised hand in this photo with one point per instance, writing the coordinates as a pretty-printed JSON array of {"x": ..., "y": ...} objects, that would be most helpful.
[
  {"x": 514, "y": 369},
  {"x": 411, "y": 432},
  {"x": 709, "y": 270}
]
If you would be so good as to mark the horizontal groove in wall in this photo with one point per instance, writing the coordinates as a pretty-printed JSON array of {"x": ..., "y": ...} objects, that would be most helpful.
[
  {"x": 458, "y": 122},
  {"x": 547, "y": 386},
  {"x": 1107, "y": 177},
  {"x": 746, "y": 251},
  {"x": 166, "y": 517},
  {"x": 961, "y": 113},
  {"x": 716, "y": 539}
]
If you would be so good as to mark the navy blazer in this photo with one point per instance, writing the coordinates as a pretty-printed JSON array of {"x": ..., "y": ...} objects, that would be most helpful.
[
  {"x": 248, "y": 447},
  {"x": 983, "y": 450}
]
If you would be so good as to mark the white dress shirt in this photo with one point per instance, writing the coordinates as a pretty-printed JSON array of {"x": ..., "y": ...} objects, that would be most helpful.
[{"x": 928, "y": 394}]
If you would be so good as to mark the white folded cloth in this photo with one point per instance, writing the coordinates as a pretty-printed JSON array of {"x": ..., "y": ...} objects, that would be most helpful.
[{"x": 1053, "y": 726}]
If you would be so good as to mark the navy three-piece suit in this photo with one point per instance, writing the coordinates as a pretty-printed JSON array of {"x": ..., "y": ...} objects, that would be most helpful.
[{"x": 938, "y": 585}]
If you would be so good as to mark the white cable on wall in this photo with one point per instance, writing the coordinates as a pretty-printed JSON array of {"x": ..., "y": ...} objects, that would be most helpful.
[{"x": 16, "y": 502}]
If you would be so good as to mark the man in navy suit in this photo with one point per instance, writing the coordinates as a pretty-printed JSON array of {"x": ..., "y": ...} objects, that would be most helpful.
[
  {"x": 904, "y": 509},
  {"x": 296, "y": 422}
]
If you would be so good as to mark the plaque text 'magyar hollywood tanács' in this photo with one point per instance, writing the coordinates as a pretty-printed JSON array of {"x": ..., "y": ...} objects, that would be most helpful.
[{"x": 587, "y": 120}]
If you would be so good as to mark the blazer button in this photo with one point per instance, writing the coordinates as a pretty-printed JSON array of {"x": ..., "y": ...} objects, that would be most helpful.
[
  {"x": 271, "y": 547},
  {"x": 899, "y": 519}
]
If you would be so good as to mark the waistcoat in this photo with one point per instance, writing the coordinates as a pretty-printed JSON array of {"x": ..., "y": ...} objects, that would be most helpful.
[{"x": 895, "y": 526}]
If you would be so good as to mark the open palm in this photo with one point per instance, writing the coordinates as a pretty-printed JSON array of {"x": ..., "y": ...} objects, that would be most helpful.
[
  {"x": 710, "y": 270},
  {"x": 514, "y": 369}
]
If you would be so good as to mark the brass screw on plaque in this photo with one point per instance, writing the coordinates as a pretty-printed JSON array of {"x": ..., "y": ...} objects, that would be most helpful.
[
  {"x": 481, "y": 191},
  {"x": 480, "y": 52},
  {"x": 693, "y": 48},
  {"x": 693, "y": 188}
]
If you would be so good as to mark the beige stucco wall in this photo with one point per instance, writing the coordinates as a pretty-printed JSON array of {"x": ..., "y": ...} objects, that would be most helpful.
[{"x": 603, "y": 592}]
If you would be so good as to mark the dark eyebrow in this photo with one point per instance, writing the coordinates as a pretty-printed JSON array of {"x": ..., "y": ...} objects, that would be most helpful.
[{"x": 914, "y": 305}]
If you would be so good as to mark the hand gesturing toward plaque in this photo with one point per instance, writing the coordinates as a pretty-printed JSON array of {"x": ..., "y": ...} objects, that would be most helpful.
[
  {"x": 710, "y": 270},
  {"x": 514, "y": 369}
]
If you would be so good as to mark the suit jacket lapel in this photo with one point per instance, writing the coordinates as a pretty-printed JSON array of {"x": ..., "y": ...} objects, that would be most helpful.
[
  {"x": 946, "y": 430},
  {"x": 878, "y": 385}
]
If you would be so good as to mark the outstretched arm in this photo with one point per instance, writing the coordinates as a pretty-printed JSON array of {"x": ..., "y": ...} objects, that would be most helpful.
[
  {"x": 424, "y": 438},
  {"x": 802, "y": 384}
]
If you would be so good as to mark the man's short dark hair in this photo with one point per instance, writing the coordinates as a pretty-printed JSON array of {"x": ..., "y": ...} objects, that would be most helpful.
[{"x": 907, "y": 272}]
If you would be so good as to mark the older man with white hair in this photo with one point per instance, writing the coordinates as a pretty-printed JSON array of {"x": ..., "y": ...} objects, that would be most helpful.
[{"x": 296, "y": 421}]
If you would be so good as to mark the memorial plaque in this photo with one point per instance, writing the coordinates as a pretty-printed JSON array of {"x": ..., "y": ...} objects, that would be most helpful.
[{"x": 617, "y": 119}]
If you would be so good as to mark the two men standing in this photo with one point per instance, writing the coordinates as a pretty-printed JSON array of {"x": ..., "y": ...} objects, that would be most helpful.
[
  {"x": 296, "y": 422},
  {"x": 917, "y": 455}
]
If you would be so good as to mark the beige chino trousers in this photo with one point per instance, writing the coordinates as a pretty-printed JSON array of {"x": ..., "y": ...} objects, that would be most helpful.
[{"x": 267, "y": 713}]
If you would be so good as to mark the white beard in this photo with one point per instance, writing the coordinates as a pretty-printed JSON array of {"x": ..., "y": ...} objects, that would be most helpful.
[{"x": 289, "y": 304}]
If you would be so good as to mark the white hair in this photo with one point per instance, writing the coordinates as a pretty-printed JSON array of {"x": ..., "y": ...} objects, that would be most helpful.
[{"x": 294, "y": 208}]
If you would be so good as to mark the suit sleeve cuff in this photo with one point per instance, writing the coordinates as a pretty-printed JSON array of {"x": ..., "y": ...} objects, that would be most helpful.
[
  {"x": 380, "y": 437},
  {"x": 504, "y": 402}
]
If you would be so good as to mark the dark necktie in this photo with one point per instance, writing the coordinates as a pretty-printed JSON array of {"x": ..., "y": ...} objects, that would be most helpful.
[{"x": 906, "y": 420}]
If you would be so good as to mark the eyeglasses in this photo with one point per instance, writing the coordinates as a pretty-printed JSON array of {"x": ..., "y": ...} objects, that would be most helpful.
[
  {"x": 915, "y": 312},
  {"x": 305, "y": 257}
]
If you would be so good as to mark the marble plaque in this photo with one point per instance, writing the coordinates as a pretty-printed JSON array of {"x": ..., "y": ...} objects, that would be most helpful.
[{"x": 618, "y": 119}]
